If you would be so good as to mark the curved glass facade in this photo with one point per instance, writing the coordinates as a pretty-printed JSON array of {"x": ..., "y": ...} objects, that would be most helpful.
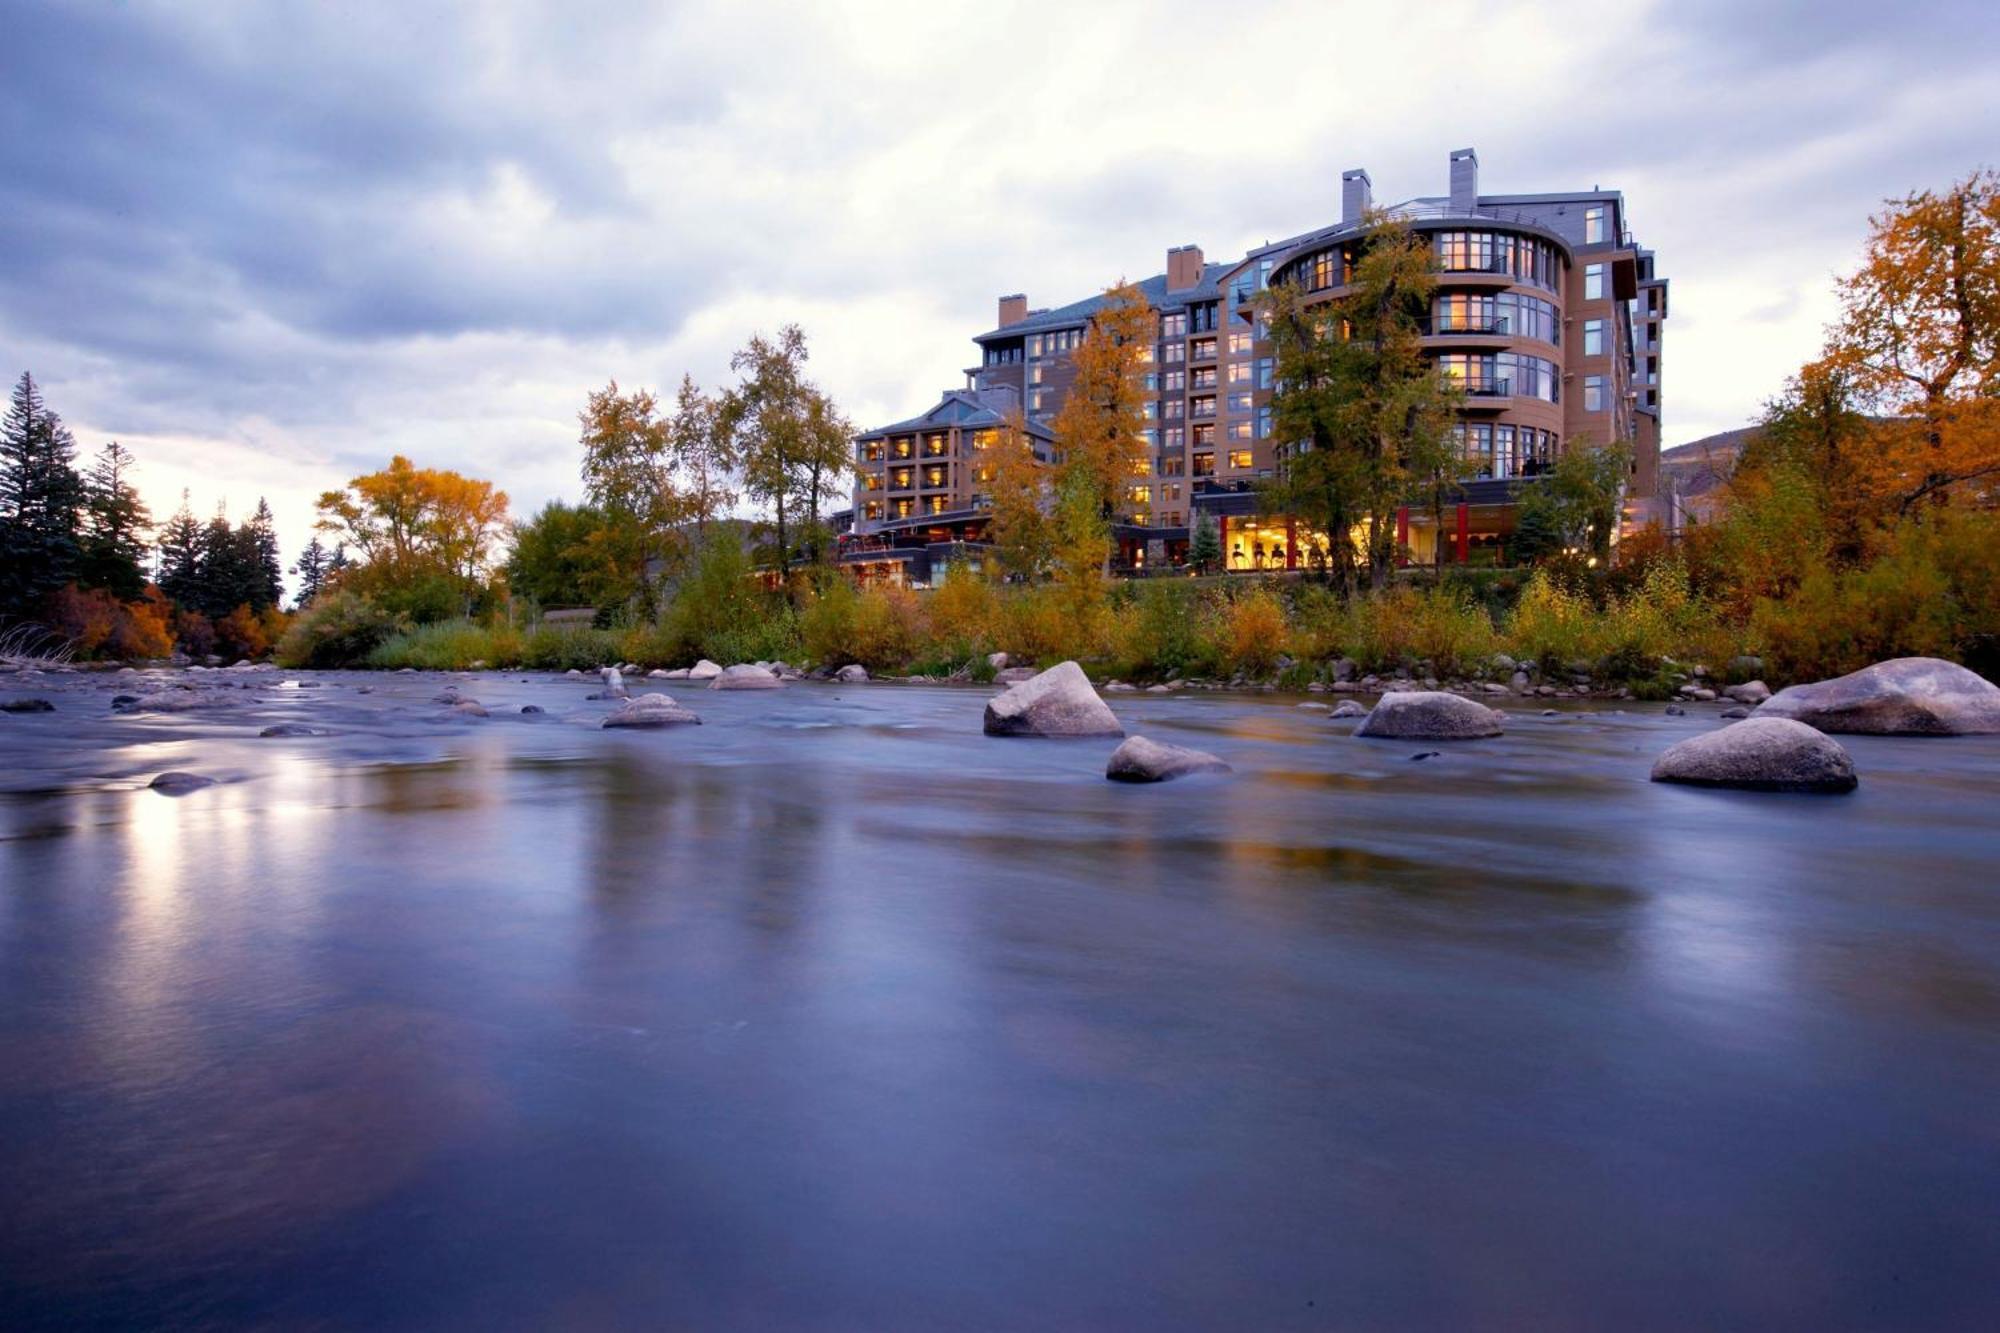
[
  {"x": 1498, "y": 449},
  {"x": 1509, "y": 314},
  {"x": 1522, "y": 258},
  {"x": 1503, "y": 374}
]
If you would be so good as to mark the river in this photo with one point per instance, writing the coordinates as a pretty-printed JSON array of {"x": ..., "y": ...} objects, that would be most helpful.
[{"x": 834, "y": 1013}]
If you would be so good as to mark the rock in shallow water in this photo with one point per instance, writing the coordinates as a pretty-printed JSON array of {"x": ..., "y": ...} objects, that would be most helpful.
[
  {"x": 652, "y": 710},
  {"x": 1142, "y": 760},
  {"x": 27, "y": 706},
  {"x": 1906, "y": 696},
  {"x": 851, "y": 674},
  {"x": 177, "y": 783},
  {"x": 1760, "y": 754},
  {"x": 746, "y": 676},
  {"x": 286, "y": 730},
  {"x": 1429, "y": 715},
  {"x": 1057, "y": 702},
  {"x": 1348, "y": 708}
]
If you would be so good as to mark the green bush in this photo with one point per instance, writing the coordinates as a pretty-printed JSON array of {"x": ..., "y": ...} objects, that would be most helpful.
[
  {"x": 882, "y": 628},
  {"x": 452, "y": 645},
  {"x": 548, "y": 648},
  {"x": 341, "y": 628},
  {"x": 1166, "y": 630}
]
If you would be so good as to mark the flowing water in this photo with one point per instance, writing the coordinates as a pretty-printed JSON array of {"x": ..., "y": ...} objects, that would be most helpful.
[{"x": 834, "y": 1013}]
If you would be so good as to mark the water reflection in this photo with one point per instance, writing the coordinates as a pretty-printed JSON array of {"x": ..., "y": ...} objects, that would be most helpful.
[{"x": 831, "y": 1012}]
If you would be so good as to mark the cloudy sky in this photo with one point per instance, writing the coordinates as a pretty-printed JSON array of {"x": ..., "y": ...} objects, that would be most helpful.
[{"x": 268, "y": 245}]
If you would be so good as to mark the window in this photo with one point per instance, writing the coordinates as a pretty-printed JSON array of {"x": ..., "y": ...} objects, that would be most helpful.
[
  {"x": 1240, "y": 430},
  {"x": 1034, "y": 374},
  {"x": 933, "y": 477},
  {"x": 1176, "y": 381},
  {"x": 1169, "y": 491},
  {"x": 1150, "y": 437},
  {"x": 934, "y": 446},
  {"x": 1203, "y": 378},
  {"x": 1173, "y": 465},
  {"x": 872, "y": 482},
  {"x": 1175, "y": 439},
  {"x": 1202, "y": 407},
  {"x": 1171, "y": 409},
  {"x": 1201, "y": 349},
  {"x": 905, "y": 446},
  {"x": 1263, "y": 423},
  {"x": 1173, "y": 353},
  {"x": 1150, "y": 381},
  {"x": 1204, "y": 436},
  {"x": 1239, "y": 343},
  {"x": 984, "y": 439},
  {"x": 1241, "y": 372},
  {"x": 1239, "y": 402},
  {"x": 902, "y": 508},
  {"x": 1593, "y": 393},
  {"x": 1593, "y": 282},
  {"x": 1139, "y": 495},
  {"x": 1035, "y": 347},
  {"x": 1202, "y": 318},
  {"x": 1264, "y": 371},
  {"x": 1593, "y": 337},
  {"x": 1204, "y": 465},
  {"x": 872, "y": 451},
  {"x": 1240, "y": 458},
  {"x": 1150, "y": 409},
  {"x": 1174, "y": 325},
  {"x": 934, "y": 505},
  {"x": 872, "y": 510},
  {"x": 1593, "y": 224},
  {"x": 1035, "y": 401}
]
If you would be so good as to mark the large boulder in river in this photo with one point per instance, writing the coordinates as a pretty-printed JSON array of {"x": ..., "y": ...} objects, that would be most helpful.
[
  {"x": 703, "y": 670},
  {"x": 851, "y": 674},
  {"x": 1760, "y": 754},
  {"x": 1141, "y": 760},
  {"x": 1906, "y": 696},
  {"x": 1056, "y": 702},
  {"x": 746, "y": 676},
  {"x": 652, "y": 710},
  {"x": 1429, "y": 715}
]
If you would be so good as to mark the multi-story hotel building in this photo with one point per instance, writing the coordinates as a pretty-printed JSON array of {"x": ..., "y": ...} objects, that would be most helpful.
[{"x": 1547, "y": 314}]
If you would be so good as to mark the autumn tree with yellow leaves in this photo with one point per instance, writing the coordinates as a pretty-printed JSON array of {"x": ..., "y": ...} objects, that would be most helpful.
[
  {"x": 424, "y": 536},
  {"x": 1099, "y": 433}
]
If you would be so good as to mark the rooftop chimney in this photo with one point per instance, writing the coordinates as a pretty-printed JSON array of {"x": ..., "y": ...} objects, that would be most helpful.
[
  {"x": 1464, "y": 180},
  {"x": 1184, "y": 267},
  {"x": 1357, "y": 194},
  {"x": 1013, "y": 309}
]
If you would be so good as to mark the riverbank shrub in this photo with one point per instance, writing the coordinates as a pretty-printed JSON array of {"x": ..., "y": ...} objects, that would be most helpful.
[
  {"x": 879, "y": 627},
  {"x": 340, "y": 628}
]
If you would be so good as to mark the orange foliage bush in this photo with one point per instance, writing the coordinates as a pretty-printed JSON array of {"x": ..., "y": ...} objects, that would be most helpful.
[{"x": 99, "y": 625}]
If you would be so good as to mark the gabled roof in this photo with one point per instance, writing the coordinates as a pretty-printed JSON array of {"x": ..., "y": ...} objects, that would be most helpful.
[
  {"x": 1154, "y": 289},
  {"x": 959, "y": 407}
]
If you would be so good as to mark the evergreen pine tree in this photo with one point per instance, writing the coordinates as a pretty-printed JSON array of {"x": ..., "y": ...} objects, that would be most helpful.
[
  {"x": 113, "y": 549},
  {"x": 268, "y": 566},
  {"x": 220, "y": 583},
  {"x": 1205, "y": 550},
  {"x": 180, "y": 556},
  {"x": 312, "y": 569},
  {"x": 40, "y": 500}
]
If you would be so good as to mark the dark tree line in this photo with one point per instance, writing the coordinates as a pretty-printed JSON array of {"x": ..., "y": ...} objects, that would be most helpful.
[{"x": 64, "y": 526}]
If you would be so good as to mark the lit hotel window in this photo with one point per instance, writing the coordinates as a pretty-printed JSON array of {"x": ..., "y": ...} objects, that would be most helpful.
[{"x": 1239, "y": 458}]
